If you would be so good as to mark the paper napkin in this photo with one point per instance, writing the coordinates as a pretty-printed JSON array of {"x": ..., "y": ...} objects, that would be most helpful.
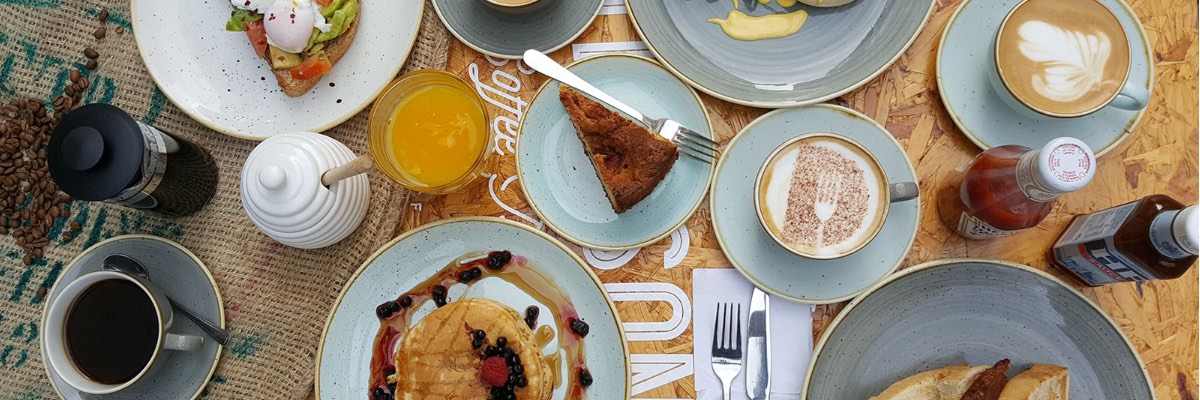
[{"x": 791, "y": 334}]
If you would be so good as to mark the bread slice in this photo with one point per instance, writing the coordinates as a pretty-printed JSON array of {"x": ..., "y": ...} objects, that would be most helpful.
[
  {"x": 629, "y": 159},
  {"x": 334, "y": 49},
  {"x": 947, "y": 383},
  {"x": 1039, "y": 382}
]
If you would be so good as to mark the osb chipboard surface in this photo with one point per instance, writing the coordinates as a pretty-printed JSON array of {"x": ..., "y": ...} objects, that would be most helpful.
[{"x": 1160, "y": 318}]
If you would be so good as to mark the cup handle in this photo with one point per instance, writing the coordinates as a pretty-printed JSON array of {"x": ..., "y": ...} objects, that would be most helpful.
[
  {"x": 903, "y": 191},
  {"x": 1133, "y": 97},
  {"x": 183, "y": 342}
]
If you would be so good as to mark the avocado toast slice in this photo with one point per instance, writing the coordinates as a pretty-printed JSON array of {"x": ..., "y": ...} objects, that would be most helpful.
[{"x": 299, "y": 72}]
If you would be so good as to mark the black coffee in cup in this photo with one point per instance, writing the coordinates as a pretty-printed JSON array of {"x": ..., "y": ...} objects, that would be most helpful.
[{"x": 112, "y": 331}]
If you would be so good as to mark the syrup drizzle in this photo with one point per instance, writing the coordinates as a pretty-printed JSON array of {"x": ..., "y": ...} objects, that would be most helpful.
[{"x": 516, "y": 272}]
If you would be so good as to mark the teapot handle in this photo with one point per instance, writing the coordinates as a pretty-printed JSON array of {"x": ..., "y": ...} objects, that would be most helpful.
[{"x": 358, "y": 166}]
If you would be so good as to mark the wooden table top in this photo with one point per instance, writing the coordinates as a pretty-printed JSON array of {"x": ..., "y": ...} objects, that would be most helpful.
[{"x": 1160, "y": 318}]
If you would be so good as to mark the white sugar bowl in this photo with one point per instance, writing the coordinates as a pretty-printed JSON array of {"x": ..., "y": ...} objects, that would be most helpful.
[{"x": 305, "y": 190}]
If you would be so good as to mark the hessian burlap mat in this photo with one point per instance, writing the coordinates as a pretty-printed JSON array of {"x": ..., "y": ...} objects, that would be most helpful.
[{"x": 276, "y": 298}]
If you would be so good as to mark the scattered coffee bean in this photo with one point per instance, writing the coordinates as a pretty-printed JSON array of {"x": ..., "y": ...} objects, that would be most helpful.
[
  {"x": 91, "y": 65},
  {"x": 90, "y": 53},
  {"x": 100, "y": 32},
  {"x": 579, "y": 327},
  {"x": 75, "y": 226},
  {"x": 585, "y": 377},
  {"x": 30, "y": 202},
  {"x": 120, "y": 30},
  {"x": 27, "y": 260},
  {"x": 103, "y": 15}
]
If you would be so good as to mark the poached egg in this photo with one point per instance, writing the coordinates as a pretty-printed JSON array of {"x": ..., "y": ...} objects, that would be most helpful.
[{"x": 289, "y": 23}]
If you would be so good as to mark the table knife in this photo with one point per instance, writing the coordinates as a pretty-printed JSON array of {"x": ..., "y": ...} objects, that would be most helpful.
[{"x": 758, "y": 348}]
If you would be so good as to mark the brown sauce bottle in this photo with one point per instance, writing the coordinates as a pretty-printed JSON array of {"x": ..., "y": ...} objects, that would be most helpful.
[{"x": 1151, "y": 238}]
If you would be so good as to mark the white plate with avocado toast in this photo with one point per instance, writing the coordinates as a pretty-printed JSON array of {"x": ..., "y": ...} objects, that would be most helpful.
[{"x": 203, "y": 59}]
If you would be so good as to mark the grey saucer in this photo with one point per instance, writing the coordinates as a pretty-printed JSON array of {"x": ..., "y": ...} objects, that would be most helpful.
[
  {"x": 185, "y": 278},
  {"x": 549, "y": 26},
  {"x": 977, "y": 312}
]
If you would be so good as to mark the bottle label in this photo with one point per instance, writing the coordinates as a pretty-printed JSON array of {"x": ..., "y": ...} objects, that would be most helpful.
[
  {"x": 975, "y": 228},
  {"x": 1162, "y": 236},
  {"x": 1088, "y": 251}
]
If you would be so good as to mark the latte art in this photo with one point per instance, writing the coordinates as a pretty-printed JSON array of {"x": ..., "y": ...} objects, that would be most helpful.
[
  {"x": 1073, "y": 62},
  {"x": 822, "y": 196}
]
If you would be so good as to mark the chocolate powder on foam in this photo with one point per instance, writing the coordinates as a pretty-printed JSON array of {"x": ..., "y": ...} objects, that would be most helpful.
[{"x": 802, "y": 223}]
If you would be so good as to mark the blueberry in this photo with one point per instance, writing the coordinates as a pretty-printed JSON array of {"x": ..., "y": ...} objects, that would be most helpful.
[
  {"x": 513, "y": 360},
  {"x": 469, "y": 275},
  {"x": 532, "y": 312},
  {"x": 498, "y": 259},
  {"x": 502, "y": 342},
  {"x": 476, "y": 343},
  {"x": 406, "y": 302},
  {"x": 532, "y": 322},
  {"x": 585, "y": 377},
  {"x": 510, "y": 396},
  {"x": 518, "y": 369},
  {"x": 480, "y": 334},
  {"x": 579, "y": 327},
  {"x": 380, "y": 394},
  {"x": 521, "y": 382},
  {"x": 439, "y": 291},
  {"x": 386, "y": 309},
  {"x": 490, "y": 351}
]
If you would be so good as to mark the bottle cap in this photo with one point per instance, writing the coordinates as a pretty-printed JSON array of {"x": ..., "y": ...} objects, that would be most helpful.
[
  {"x": 283, "y": 195},
  {"x": 1065, "y": 165},
  {"x": 1186, "y": 230},
  {"x": 96, "y": 151}
]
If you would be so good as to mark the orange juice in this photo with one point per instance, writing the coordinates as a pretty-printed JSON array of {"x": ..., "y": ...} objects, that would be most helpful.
[
  {"x": 429, "y": 132},
  {"x": 435, "y": 135}
]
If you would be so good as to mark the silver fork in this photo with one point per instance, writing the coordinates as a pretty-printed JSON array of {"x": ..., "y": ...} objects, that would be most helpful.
[
  {"x": 689, "y": 142},
  {"x": 727, "y": 345}
]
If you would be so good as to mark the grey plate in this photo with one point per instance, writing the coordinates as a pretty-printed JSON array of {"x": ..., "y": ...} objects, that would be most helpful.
[
  {"x": 185, "y": 278},
  {"x": 837, "y": 50},
  {"x": 963, "y": 60},
  {"x": 343, "y": 360},
  {"x": 977, "y": 312},
  {"x": 546, "y": 28},
  {"x": 770, "y": 266}
]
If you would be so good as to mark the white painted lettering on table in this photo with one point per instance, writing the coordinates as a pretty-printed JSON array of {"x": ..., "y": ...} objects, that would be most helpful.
[
  {"x": 613, "y": 7},
  {"x": 673, "y": 296}
]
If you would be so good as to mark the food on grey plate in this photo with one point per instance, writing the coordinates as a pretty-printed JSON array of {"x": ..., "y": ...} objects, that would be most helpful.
[
  {"x": 629, "y": 159},
  {"x": 300, "y": 39},
  {"x": 746, "y": 27},
  {"x": 964, "y": 382}
]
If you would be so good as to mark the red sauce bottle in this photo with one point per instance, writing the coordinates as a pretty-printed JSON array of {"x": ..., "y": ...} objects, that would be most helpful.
[
  {"x": 1152, "y": 238},
  {"x": 1012, "y": 187}
]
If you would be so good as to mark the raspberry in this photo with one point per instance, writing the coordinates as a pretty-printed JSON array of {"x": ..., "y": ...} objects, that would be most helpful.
[{"x": 494, "y": 371}]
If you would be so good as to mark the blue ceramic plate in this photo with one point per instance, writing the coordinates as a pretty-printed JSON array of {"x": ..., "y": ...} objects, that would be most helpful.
[
  {"x": 560, "y": 182},
  {"x": 965, "y": 57},
  {"x": 182, "y": 276},
  {"x": 548, "y": 26},
  {"x": 837, "y": 50},
  {"x": 770, "y": 266},
  {"x": 975, "y": 312},
  {"x": 343, "y": 361}
]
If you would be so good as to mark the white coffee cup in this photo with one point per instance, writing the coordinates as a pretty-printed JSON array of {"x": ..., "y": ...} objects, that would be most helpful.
[
  {"x": 1066, "y": 40},
  {"x": 54, "y": 339}
]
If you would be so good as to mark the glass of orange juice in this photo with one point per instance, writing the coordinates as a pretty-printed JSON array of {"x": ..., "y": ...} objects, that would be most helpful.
[{"x": 429, "y": 132}]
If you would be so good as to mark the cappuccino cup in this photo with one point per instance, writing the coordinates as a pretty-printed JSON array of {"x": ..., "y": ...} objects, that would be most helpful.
[
  {"x": 106, "y": 331},
  {"x": 824, "y": 196},
  {"x": 1063, "y": 59},
  {"x": 515, "y": 6}
]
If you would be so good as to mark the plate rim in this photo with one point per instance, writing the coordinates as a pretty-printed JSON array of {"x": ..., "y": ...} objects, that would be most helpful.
[
  {"x": 233, "y": 133},
  {"x": 721, "y": 239},
  {"x": 780, "y": 104},
  {"x": 708, "y": 182},
  {"x": 930, "y": 265},
  {"x": 473, "y": 46},
  {"x": 612, "y": 306},
  {"x": 75, "y": 262},
  {"x": 970, "y": 134}
]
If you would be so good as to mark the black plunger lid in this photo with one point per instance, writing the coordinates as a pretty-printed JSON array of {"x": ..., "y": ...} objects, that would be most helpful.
[{"x": 96, "y": 152}]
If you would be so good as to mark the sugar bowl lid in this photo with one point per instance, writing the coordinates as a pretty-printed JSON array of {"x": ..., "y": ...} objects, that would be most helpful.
[{"x": 283, "y": 195}]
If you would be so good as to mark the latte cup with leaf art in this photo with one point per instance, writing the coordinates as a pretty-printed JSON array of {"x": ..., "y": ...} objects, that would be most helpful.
[{"x": 1064, "y": 59}]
